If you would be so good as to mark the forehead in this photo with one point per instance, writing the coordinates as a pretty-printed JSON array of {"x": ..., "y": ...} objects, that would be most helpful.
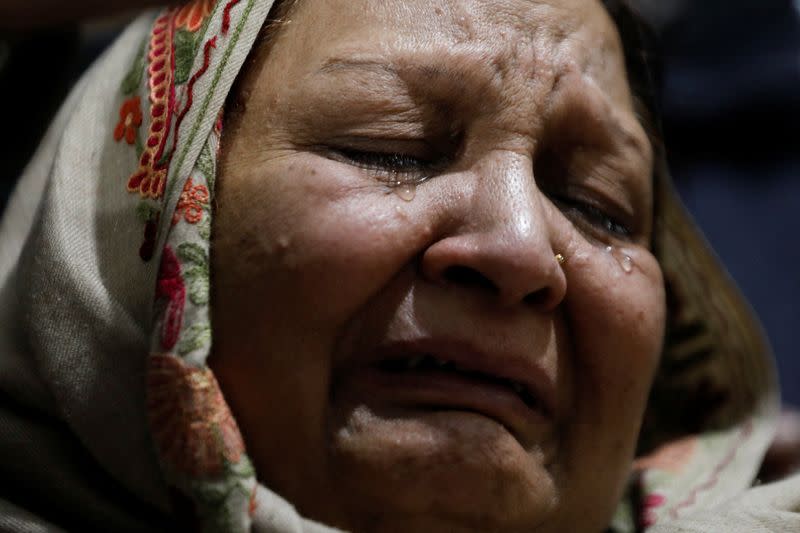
[{"x": 533, "y": 38}]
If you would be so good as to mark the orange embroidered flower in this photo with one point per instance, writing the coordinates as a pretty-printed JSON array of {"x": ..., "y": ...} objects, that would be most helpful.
[
  {"x": 192, "y": 15},
  {"x": 190, "y": 204},
  {"x": 130, "y": 118},
  {"x": 191, "y": 424}
]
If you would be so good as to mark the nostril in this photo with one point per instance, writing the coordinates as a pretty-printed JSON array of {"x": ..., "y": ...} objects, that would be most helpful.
[
  {"x": 468, "y": 277},
  {"x": 538, "y": 298}
]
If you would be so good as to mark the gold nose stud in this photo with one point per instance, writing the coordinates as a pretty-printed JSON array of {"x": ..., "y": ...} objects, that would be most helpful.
[{"x": 561, "y": 259}]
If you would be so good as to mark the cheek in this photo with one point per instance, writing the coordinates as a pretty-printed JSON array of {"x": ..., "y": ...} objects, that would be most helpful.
[
  {"x": 298, "y": 249},
  {"x": 616, "y": 321},
  {"x": 307, "y": 246}
]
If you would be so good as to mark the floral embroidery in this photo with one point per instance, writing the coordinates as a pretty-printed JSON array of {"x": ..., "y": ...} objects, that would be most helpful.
[
  {"x": 198, "y": 442},
  {"x": 171, "y": 288},
  {"x": 192, "y": 15},
  {"x": 185, "y": 52},
  {"x": 191, "y": 423},
  {"x": 149, "y": 179},
  {"x": 194, "y": 338},
  {"x": 195, "y": 257},
  {"x": 130, "y": 118},
  {"x": 191, "y": 203}
]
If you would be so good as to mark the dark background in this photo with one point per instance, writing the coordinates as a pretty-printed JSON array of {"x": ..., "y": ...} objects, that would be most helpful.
[{"x": 731, "y": 104}]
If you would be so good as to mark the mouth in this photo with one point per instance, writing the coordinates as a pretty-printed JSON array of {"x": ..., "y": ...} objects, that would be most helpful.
[
  {"x": 448, "y": 377},
  {"x": 430, "y": 366}
]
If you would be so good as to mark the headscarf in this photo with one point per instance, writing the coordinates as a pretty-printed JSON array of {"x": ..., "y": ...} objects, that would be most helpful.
[{"x": 110, "y": 417}]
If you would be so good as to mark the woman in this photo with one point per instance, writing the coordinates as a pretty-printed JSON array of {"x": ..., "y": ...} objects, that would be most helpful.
[{"x": 432, "y": 248}]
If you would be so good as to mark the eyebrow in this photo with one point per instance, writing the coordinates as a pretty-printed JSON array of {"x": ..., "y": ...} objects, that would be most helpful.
[
  {"x": 432, "y": 73},
  {"x": 370, "y": 65}
]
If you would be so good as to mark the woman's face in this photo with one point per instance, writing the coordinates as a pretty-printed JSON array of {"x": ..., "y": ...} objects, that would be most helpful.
[{"x": 398, "y": 342}]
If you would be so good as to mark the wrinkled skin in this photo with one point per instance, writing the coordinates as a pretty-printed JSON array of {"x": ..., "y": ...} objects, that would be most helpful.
[{"x": 515, "y": 120}]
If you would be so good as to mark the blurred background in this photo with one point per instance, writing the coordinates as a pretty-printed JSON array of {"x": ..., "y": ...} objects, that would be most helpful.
[{"x": 731, "y": 102}]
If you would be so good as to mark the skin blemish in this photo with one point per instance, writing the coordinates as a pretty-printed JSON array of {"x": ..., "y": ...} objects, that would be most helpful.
[{"x": 284, "y": 241}]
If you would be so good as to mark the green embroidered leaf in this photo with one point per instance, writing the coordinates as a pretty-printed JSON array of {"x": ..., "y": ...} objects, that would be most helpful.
[
  {"x": 147, "y": 212},
  {"x": 193, "y": 254},
  {"x": 185, "y": 49},
  {"x": 199, "y": 291},
  {"x": 197, "y": 279},
  {"x": 206, "y": 165},
  {"x": 133, "y": 79},
  {"x": 204, "y": 226},
  {"x": 195, "y": 272},
  {"x": 195, "y": 338}
]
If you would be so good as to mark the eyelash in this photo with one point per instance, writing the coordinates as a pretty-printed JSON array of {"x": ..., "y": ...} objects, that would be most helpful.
[
  {"x": 394, "y": 165},
  {"x": 593, "y": 215}
]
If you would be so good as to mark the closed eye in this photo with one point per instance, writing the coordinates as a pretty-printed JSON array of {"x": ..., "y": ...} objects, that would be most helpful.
[
  {"x": 392, "y": 166},
  {"x": 593, "y": 215},
  {"x": 394, "y": 162}
]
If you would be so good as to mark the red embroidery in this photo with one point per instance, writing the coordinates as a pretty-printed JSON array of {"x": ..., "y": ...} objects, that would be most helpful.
[
  {"x": 191, "y": 202},
  {"x": 650, "y": 504},
  {"x": 171, "y": 288},
  {"x": 252, "y": 507},
  {"x": 745, "y": 434},
  {"x": 212, "y": 43},
  {"x": 192, "y": 425},
  {"x": 226, "y": 16},
  {"x": 130, "y": 118},
  {"x": 219, "y": 123},
  {"x": 149, "y": 179},
  {"x": 192, "y": 15}
]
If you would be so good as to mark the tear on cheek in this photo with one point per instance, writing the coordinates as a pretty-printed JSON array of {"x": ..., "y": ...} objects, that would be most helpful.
[{"x": 622, "y": 257}]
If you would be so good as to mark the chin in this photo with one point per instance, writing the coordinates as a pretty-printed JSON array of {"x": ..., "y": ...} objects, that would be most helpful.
[{"x": 438, "y": 471}]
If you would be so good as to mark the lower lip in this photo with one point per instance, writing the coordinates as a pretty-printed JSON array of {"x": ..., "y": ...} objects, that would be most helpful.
[{"x": 431, "y": 389}]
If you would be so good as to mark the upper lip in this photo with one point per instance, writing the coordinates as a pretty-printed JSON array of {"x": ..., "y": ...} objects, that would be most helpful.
[{"x": 516, "y": 366}]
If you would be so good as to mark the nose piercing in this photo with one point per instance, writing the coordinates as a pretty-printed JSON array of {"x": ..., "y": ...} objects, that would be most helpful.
[{"x": 561, "y": 259}]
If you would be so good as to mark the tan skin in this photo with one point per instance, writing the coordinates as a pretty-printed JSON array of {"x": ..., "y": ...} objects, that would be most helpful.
[{"x": 515, "y": 122}]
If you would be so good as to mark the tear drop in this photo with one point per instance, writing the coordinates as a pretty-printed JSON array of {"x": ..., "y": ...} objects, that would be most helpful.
[
  {"x": 627, "y": 264},
  {"x": 406, "y": 191},
  {"x": 625, "y": 261}
]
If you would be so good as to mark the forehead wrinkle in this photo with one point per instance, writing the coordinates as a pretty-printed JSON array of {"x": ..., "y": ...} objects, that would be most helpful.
[
  {"x": 480, "y": 69},
  {"x": 435, "y": 75}
]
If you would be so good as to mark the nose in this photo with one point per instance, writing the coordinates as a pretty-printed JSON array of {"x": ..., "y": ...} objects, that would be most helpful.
[{"x": 499, "y": 241}]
